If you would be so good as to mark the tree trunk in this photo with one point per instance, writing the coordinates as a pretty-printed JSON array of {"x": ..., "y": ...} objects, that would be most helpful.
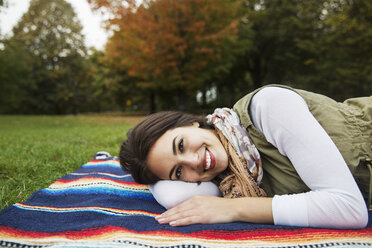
[
  {"x": 152, "y": 102},
  {"x": 181, "y": 100},
  {"x": 257, "y": 73},
  {"x": 204, "y": 97}
]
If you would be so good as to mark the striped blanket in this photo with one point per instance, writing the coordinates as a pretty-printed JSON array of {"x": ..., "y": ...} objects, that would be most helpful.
[{"x": 101, "y": 206}]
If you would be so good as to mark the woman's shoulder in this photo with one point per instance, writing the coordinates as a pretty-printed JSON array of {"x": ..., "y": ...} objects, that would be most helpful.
[
  {"x": 271, "y": 96},
  {"x": 273, "y": 93}
]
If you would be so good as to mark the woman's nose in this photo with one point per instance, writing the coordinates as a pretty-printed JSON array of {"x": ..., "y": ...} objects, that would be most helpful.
[{"x": 192, "y": 160}]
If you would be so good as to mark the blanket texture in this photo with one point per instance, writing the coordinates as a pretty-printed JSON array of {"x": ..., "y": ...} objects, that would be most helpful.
[{"x": 99, "y": 205}]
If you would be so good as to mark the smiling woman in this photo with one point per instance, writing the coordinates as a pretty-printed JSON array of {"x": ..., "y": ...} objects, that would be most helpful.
[
  {"x": 190, "y": 154},
  {"x": 281, "y": 155},
  {"x": 134, "y": 151}
]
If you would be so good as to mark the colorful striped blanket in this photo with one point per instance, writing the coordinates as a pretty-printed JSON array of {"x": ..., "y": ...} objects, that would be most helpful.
[{"x": 101, "y": 206}]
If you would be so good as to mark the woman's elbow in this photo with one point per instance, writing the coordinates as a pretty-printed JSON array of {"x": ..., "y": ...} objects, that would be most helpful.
[
  {"x": 361, "y": 217},
  {"x": 341, "y": 211},
  {"x": 358, "y": 215}
]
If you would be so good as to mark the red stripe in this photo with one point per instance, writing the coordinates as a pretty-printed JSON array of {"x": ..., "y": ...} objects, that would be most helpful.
[
  {"x": 287, "y": 235},
  {"x": 95, "y": 178}
]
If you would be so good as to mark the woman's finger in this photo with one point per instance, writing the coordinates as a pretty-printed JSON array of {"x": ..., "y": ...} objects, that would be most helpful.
[
  {"x": 181, "y": 208},
  {"x": 186, "y": 221},
  {"x": 176, "y": 215}
]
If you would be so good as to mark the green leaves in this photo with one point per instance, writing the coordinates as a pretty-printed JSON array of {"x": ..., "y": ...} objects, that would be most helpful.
[
  {"x": 50, "y": 30},
  {"x": 51, "y": 58},
  {"x": 174, "y": 46},
  {"x": 167, "y": 52}
]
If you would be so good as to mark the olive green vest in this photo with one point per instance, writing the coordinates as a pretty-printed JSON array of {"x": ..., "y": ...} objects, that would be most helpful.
[{"x": 349, "y": 124}]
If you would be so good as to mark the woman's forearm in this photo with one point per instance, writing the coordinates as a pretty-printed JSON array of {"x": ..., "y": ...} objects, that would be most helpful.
[
  {"x": 253, "y": 209},
  {"x": 210, "y": 210}
]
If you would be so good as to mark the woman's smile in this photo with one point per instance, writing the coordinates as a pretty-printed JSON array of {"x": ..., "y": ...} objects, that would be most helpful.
[
  {"x": 209, "y": 160},
  {"x": 187, "y": 153}
]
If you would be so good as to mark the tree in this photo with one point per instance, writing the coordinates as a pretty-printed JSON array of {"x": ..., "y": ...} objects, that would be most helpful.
[
  {"x": 283, "y": 39},
  {"x": 3, "y": 4},
  {"x": 344, "y": 62},
  {"x": 51, "y": 33},
  {"x": 319, "y": 45},
  {"x": 106, "y": 91},
  {"x": 15, "y": 78},
  {"x": 173, "y": 47}
]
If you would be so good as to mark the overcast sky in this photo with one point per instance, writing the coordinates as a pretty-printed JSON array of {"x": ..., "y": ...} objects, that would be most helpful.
[{"x": 94, "y": 34}]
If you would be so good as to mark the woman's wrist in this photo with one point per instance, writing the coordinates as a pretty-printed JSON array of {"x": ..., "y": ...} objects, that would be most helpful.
[{"x": 253, "y": 209}]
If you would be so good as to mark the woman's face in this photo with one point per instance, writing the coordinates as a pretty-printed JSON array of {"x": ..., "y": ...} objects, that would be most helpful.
[{"x": 189, "y": 154}]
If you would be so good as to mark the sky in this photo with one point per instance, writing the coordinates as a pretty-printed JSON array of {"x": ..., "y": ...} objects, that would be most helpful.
[{"x": 95, "y": 35}]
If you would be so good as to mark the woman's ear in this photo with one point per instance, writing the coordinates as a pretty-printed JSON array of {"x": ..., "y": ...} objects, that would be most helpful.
[{"x": 196, "y": 124}]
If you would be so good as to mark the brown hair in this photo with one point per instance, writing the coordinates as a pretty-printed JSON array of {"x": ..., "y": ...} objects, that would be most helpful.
[{"x": 140, "y": 139}]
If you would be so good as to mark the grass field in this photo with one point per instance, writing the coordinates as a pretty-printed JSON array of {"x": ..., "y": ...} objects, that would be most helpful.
[{"x": 37, "y": 150}]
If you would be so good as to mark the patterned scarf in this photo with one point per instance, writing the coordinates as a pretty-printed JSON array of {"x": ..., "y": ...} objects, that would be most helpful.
[{"x": 244, "y": 172}]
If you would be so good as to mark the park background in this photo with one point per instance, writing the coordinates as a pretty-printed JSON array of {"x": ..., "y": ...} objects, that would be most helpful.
[
  {"x": 61, "y": 101},
  {"x": 191, "y": 55}
]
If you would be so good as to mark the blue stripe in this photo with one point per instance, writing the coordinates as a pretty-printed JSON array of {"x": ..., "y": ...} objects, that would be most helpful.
[
  {"x": 120, "y": 178},
  {"x": 101, "y": 190},
  {"x": 104, "y": 165}
]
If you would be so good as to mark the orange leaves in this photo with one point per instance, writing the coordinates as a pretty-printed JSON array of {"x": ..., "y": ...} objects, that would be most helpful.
[{"x": 166, "y": 42}]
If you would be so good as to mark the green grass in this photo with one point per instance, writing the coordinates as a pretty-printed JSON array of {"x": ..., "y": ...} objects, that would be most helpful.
[{"x": 37, "y": 150}]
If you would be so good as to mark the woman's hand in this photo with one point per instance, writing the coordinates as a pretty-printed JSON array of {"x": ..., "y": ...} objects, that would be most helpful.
[
  {"x": 210, "y": 209},
  {"x": 200, "y": 209}
]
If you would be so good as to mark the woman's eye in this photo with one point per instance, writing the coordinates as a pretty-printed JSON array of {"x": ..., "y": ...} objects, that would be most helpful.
[
  {"x": 180, "y": 145},
  {"x": 178, "y": 172}
]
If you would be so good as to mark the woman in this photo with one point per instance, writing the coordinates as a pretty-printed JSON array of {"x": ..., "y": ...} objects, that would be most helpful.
[{"x": 310, "y": 152}]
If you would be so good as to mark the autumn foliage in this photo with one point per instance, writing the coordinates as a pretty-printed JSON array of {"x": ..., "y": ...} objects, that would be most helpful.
[
  {"x": 193, "y": 55},
  {"x": 172, "y": 46}
]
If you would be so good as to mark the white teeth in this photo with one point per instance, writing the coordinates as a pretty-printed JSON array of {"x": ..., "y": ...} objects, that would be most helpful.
[{"x": 208, "y": 160}]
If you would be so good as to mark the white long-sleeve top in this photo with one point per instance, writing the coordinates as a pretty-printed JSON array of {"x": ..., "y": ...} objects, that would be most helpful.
[
  {"x": 335, "y": 199},
  {"x": 285, "y": 120}
]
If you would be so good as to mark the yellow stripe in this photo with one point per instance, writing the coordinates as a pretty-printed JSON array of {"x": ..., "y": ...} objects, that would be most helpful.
[
  {"x": 87, "y": 181},
  {"x": 95, "y": 209}
]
